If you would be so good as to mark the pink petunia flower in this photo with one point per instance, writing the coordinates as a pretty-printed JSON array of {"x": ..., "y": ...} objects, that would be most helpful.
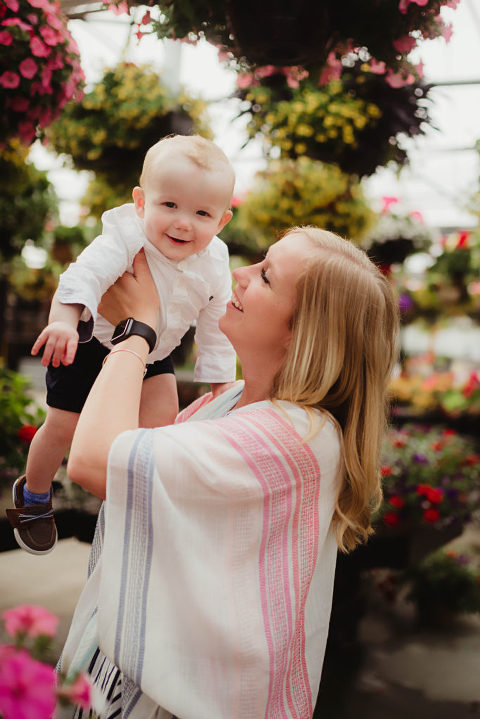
[
  {"x": 38, "y": 48},
  {"x": 15, "y": 21},
  {"x": 42, "y": 4},
  {"x": 405, "y": 44},
  {"x": 32, "y": 19},
  {"x": 12, "y": 5},
  {"x": 28, "y": 68},
  {"x": 378, "y": 67},
  {"x": 397, "y": 79},
  {"x": 332, "y": 71},
  {"x": 19, "y": 104},
  {"x": 78, "y": 693},
  {"x": 5, "y": 38},
  {"x": 49, "y": 36},
  {"x": 27, "y": 687},
  {"x": 30, "y": 620},
  {"x": 55, "y": 62},
  {"x": 9, "y": 80},
  {"x": 55, "y": 22},
  {"x": 403, "y": 4},
  {"x": 447, "y": 32}
]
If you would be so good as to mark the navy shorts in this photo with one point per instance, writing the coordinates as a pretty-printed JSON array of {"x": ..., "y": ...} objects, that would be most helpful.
[{"x": 68, "y": 386}]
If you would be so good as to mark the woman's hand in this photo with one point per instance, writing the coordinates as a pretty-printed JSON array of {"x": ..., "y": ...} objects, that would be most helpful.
[{"x": 132, "y": 295}]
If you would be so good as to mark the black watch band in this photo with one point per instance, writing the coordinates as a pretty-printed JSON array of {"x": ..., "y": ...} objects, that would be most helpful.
[{"x": 127, "y": 328}]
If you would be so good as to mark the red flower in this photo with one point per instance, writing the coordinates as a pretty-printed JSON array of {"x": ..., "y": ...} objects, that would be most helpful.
[
  {"x": 437, "y": 446},
  {"x": 391, "y": 518},
  {"x": 435, "y": 496},
  {"x": 431, "y": 515},
  {"x": 386, "y": 471},
  {"x": 26, "y": 433},
  {"x": 423, "y": 489},
  {"x": 9, "y": 79},
  {"x": 396, "y": 501},
  {"x": 399, "y": 443}
]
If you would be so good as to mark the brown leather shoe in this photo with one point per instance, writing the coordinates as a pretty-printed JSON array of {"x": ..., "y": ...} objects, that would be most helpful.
[{"x": 33, "y": 526}]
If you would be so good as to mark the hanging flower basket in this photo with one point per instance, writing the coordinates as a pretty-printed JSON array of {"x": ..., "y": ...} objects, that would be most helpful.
[
  {"x": 39, "y": 67},
  {"x": 357, "y": 122},
  {"x": 308, "y": 33}
]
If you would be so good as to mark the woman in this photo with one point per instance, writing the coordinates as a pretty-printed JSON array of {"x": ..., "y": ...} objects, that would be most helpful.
[{"x": 212, "y": 569}]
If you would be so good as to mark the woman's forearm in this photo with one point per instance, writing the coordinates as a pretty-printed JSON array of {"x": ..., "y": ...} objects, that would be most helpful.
[{"x": 111, "y": 408}]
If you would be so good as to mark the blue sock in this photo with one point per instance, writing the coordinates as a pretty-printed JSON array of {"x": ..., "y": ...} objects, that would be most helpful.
[{"x": 30, "y": 498}]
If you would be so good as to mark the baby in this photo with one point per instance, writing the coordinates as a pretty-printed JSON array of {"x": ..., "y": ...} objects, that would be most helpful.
[{"x": 182, "y": 202}]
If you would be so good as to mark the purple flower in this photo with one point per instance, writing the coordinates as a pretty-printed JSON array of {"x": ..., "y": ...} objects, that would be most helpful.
[
  {"x": 405, "y": 302},
  {"x": 420, "y": 459}
]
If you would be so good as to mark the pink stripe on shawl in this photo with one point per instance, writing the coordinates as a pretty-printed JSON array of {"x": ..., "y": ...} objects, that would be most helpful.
[
  {"x": 290, "y": 483},
  {"x": 193, "y": 407}
]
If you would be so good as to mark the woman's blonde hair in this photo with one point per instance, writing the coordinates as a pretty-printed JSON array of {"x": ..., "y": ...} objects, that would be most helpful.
[{"x": 340, "y": 357}]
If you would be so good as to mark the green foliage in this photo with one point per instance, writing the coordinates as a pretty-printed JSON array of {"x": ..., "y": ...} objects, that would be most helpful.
[
  {"x": 111, "y": 129},
  {"x": 298, "y": 192},
  {"x": 445, "y": 578},
  {"x": 18, "y": 421},
  {"x": 27, "y": 200}
]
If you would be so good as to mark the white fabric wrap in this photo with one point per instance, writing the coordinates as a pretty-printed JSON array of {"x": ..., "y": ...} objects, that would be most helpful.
[
  {"x": 194, "y": 291},
  {"x": 215, "y": 582}
]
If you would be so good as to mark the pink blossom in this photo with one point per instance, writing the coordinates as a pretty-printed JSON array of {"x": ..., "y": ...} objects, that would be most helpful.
[
  {"x": 295, "y": 75},
  {"x": 333, "y": 69},
  {"x": 55, "y": 62},
  {"x": 78, "y": 693},
  {"x": 378, "y": 67},
  {"x": 245, "y": 79},
  {"x": 49, "y": 36},
  {"x": 11, "y": 21},
  {"x": 387, "y": 201},
  {"x": 9, "y": 80},
  {"x": 397, "y": 79},
  {"x": 403, "y": 4},
  {"x": 12, "y": 5},
  {"x": 416, "y": 215},
  {"x": 5, "y": 38},
  {"x": 45, "y": 117},
  {"x": 28, "y": 68},
  {"x": 452, "y": 3},
  {"x": 19, "y": 104},
  {"x": 27, "y": 687},
  {"x": 405, "y": 44},
  {"x": 55, "y": 22},
  {"x": 32, "y": 19},
  {"x": 447, "y": 32},
  {"x": 42, "y": 4},
  {"x": 38, "y": 48},
  {"x": 118, "y": 7},
  {"x": 31, "y": 620}
]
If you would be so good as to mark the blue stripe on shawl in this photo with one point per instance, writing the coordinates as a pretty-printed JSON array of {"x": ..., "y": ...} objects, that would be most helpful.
[{"x": 129, "y": 647}]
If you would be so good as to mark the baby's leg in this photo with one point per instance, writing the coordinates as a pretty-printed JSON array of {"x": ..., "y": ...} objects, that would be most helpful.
[
  {"x": 48, "y": 448},
  {"x": 159, "y": 401}
]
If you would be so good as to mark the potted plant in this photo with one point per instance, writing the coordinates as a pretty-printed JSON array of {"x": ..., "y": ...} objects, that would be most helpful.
[
  {"x": 39, "y": 67},
  {"x": 356, "y": 121},
  {"x": 446, "y": 584}
]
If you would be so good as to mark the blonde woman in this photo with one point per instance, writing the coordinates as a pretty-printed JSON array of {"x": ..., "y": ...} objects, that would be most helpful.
[{"x": 212, "y": 569}]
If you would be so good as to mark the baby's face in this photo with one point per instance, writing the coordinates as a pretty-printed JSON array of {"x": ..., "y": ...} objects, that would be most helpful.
[{"x": 183, "y": 206}]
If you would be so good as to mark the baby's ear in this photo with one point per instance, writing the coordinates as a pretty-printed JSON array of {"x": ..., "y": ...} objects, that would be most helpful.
[
  {"x": 139, "y": 200},
  {"x": 226, "y": 217}
]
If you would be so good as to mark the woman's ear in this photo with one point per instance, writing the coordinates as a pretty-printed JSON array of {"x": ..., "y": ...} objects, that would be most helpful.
[
  {"x": 139, "y": 200},
  {"x": 225, "y": 219}
]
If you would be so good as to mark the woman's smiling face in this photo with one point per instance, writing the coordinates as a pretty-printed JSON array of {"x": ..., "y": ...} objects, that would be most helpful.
[{"x": 257, "y": 320}]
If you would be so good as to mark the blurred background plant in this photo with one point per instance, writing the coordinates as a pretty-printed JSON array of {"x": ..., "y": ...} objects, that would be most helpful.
[
  {"x": 296, "y": 192},
  {"x": 19, "y": 419},
  {"x": 431, "y": 475}
]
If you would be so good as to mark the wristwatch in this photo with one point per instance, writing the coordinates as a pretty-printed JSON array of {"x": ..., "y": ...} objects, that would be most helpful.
[{"x": 127, "y": 328}]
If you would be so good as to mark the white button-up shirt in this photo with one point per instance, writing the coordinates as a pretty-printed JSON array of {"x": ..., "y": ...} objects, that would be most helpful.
[{"x": 192, "y": 291}]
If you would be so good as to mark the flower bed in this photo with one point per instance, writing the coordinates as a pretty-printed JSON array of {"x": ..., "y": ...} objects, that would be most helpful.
[{"x": 431, "y": 477}]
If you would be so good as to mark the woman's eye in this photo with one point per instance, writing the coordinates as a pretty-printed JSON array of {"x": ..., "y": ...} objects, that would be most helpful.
[{"x": 264, "y": 276}]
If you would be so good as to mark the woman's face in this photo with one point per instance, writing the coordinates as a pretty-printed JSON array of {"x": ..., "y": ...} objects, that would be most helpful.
[{"x": 257, "y": 320}]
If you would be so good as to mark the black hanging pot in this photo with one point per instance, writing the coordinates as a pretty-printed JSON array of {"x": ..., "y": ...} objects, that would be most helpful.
[{"x": 280, "y": 32}]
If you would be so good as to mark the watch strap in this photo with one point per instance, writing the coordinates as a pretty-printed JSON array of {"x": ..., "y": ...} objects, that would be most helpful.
[{"x": 130, "y": 327}]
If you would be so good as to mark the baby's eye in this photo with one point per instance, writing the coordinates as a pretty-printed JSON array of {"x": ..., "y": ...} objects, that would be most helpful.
[
  {"x": 264, "y": 276},
  {"x": 169, "y": 204},
  {"x": 203, "y": 213}
]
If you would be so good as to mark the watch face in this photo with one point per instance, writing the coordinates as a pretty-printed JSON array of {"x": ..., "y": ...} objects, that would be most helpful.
[{"x": 121, "y": 329}]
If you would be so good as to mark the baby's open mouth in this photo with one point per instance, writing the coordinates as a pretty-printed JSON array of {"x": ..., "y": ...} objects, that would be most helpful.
[{"x": 176, "y": 239}]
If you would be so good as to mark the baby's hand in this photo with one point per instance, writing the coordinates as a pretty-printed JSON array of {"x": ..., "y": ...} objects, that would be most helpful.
[{"x": 60, "y": 340}]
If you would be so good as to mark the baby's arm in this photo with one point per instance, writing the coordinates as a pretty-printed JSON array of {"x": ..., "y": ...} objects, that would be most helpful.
[{"x": 60, "y": 336}]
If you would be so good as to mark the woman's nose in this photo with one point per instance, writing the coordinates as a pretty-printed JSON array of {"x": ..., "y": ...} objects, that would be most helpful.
[{"x": 240, "y": 275}]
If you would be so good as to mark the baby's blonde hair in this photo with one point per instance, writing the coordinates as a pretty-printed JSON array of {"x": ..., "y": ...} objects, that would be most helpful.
[
  {"x": 342, "y": 351},
  {"x": 202, "y": 152}
]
